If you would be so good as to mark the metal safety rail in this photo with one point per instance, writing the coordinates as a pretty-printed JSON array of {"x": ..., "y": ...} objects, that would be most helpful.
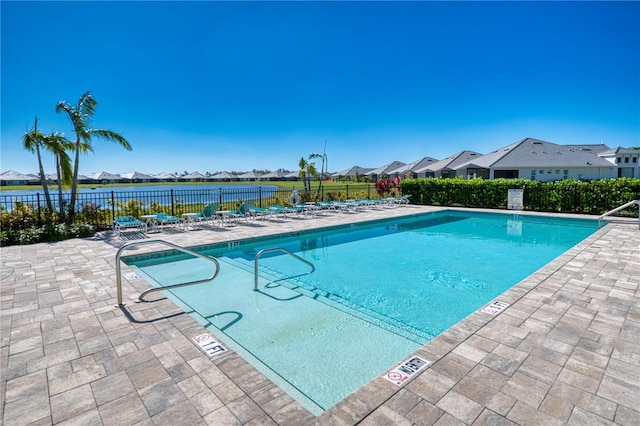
[
  {"x": 166, "y": 243},
  {"x": 617, "y": 209},
  {"x": 284, "y": 250}
]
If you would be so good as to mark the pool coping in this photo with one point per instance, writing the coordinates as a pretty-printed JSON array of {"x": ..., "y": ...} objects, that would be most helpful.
[{"x": 581, "y": 311}]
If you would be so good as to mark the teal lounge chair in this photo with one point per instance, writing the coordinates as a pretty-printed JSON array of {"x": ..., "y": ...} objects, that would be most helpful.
[
  {"x": 128, "y": 222},
  {"x": 208, "y": 214},
  {"x": 243, "y": 212},
  {"x": 164, "y": 219}
]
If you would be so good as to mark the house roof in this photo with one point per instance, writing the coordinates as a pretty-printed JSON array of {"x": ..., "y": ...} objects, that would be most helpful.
[
  {"x": 352, "y": 171},
  {"x": 386, "y": 168},
  {"x": 136, "y": 175},
  {"x": 222, "y": 175},
  {"x": 593, "y": 148},
  {"x": 276, "y": 174},
  {"x": 535, "y": 153},
  {"x": 450, "y": 162},
  {"x": 13, "y": 175},
  {"x": 164, "y": 175},
  {"x": 618, "y": 150},
  {"x": 194, "y": 175},
  {"x": 250, "y": 175},
  {"x": 104, "y": 176},
  {"x": 413, "y": 166}
]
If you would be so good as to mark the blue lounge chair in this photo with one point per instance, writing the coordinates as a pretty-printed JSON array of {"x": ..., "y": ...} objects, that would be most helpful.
[
  {"x": 128, "y": 222},
  {"x": 208, "y": 214},
  {"x": 164, "y": 219},
  {"x": 243, "y": 212}
]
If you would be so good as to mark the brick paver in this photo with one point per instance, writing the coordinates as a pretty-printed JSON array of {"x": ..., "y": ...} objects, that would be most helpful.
[{"x": 566, "y": 350}]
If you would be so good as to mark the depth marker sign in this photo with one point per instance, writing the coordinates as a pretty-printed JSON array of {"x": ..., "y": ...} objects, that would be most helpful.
[
  {"x": 495, "y": 308},
  {"x": 404, "y": 371},
  {"x": 210, "y": 346}
]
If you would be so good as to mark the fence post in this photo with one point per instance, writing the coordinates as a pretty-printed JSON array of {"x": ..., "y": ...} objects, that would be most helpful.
[
  {"x": 39, "y": 210},
  {"x": 220, "y": 198},
  {"x": 113, "y": 207},
  {"x": 172, "y": 201},
  {"x": 347, "y": 192},
  {"x": 260, "y": 196}
]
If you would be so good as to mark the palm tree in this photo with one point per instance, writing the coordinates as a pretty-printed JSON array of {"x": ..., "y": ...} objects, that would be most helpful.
[
  {"x": 80, "y": 117},
  {"x": 325, "y": 162},
  {"x": 32, "y": 141},
  {"x": 307, "y": 170},
  {"x": 60, "y": 146}
]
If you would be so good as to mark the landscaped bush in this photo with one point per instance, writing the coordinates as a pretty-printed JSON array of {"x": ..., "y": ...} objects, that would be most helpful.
[
  {"x": 20, "y": 227},
  {"x": 47, "y": 233},
  {"x": 567, "y": 196}
]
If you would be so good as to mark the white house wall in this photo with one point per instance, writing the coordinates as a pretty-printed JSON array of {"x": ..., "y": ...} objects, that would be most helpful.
[{"x": 594, "y": 173}]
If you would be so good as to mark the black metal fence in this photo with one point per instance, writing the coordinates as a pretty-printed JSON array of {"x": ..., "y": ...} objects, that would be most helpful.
[{"x": 101, "y": 208}]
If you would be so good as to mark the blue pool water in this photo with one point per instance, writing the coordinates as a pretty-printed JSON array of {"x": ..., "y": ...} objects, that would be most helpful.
[{"x": 379, "y": 292}]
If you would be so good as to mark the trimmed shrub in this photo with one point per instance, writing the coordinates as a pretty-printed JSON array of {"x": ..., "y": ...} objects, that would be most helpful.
[{"x": 567, "y": 196}]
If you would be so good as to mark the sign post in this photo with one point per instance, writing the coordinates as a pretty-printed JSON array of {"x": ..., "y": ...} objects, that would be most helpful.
[{"x": 516, "y": 197}]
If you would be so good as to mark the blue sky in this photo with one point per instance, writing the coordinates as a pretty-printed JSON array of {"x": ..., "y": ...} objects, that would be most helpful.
[{"x": 211, "y": 86}]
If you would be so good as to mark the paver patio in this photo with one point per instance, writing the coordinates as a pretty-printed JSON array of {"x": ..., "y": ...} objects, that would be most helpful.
[{"x": 566, "y": 350}]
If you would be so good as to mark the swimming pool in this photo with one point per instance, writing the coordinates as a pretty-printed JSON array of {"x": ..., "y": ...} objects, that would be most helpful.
[{"x": 380, "y": 291}]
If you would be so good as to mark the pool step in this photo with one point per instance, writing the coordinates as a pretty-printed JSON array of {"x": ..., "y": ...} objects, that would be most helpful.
[{"x": 270, "y": 279}]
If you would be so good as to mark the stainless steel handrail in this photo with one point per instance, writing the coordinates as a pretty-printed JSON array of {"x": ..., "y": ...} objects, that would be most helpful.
[
  {"x": 174, "y": 246},
  {"x": 617, "y": 209},
  {"x": 284, "y": 250}
]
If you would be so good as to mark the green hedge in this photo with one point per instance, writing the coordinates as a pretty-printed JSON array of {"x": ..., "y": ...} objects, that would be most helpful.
[{"x": 567, "y": 196}]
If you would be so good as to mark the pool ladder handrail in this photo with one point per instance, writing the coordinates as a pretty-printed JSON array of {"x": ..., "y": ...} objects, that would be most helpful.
[
  {"x": 175, "y": 247},
  {"x": 617, "y": 209},
  {"x": 284, "y": 250}
]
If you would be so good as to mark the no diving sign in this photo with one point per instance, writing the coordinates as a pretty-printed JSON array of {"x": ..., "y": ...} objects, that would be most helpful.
[
  {"x": 406, "y": 370},
  {"x": 210, "y": 346},
  {"x": 495, "y": 308}
]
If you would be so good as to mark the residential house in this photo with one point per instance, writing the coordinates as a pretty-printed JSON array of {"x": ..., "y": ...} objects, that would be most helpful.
[
  {"x": 249, "y": 177},
  {"x": 627, "y": 161},
  {"x": 12, "y": 177},
  {"x": 376, "y": 174},
  {"x": 539, "y": 160},
  {"x": 103, "y": 177},
  {"x": 351, "y": 174},
  {"x": 411, "y": 168},
  {"x": 193, "y": 177},
  {"x": 137, "y": 177},
  {"x": 165, "y": 177},
  {"x": 446, "y": 168}
]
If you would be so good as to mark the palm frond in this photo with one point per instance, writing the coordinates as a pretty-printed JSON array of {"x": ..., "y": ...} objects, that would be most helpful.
[
  {"x": 87, "y": 104},
  {"x": 110, "y": 135}
]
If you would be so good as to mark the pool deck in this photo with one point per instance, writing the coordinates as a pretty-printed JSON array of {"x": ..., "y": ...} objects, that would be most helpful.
[{"x": 565, "y": 351}]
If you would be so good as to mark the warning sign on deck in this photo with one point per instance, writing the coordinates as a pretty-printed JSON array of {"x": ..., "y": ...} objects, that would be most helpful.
[
  {"x": 406, "y": 370},
  {"x": 495, "y": 308},
  {"x": 209, "y": 345}
]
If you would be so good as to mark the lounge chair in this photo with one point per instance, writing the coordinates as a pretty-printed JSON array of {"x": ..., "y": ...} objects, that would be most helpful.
[
  {"x": 243, "y": 211},
  {"x": 208, "y": 213},
  {"x": 284, "y": 211},
  {"x": 402, "y": 200},
  {"x": 164, "y": 219},
  {"x": 128, "y": 222},
  {"x": 307, "y": 209}
]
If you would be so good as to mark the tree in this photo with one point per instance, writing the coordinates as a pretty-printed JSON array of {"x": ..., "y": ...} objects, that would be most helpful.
[
  {"x": 59, "y": 146},
  {"x": 81, "y": 116},
  {"x": 307, "y": 170},
  {"x": 325, "y": 162},
  {"x": 32, "y": 141}
]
